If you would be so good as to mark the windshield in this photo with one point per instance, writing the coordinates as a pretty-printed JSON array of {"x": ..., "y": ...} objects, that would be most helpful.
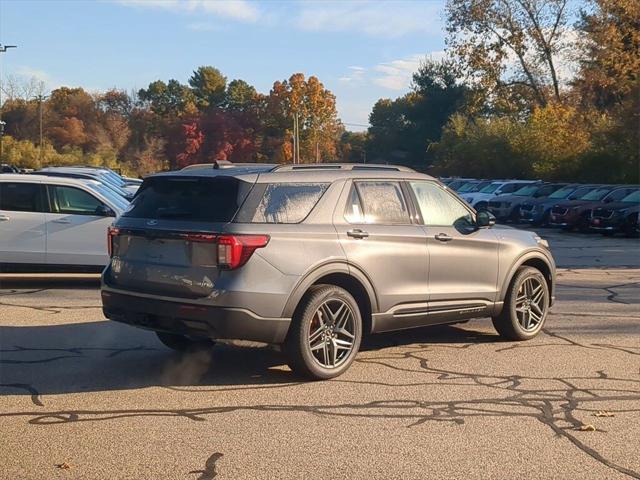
[
  {"x": 632, "y": 197},
  {"x": 597, "y": 194},
  {"x": 579, "y": 192},
  {"x": 467, "y": 187},
  {"x": 106, "y": 192},
  {"x": 492, "y": 187},
  {"x": 527, "y": 191},
  {"x": 562, "y": 193}
]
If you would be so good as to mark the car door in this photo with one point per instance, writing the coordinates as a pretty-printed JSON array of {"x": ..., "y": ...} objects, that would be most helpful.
[
  {"x": 379, "y": 236},
  {"x": 22, "y": 223},
  {"x": 463, "y": 259},
  {"x": 76, "y": 227}
]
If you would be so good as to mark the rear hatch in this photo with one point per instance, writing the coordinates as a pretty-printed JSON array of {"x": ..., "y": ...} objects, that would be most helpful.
[{"x": 166, "y": 242}]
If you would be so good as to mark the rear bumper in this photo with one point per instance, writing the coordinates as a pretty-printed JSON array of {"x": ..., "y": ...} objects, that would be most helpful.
[{"x": 193, "y": 320}]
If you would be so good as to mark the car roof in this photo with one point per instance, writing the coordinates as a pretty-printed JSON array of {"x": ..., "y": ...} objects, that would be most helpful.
[
  {"x": 324, "y": 172},
  {"x": 21, "y": 177}
]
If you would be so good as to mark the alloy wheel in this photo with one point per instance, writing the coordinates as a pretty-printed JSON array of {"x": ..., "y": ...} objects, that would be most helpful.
[
  {"x": 530, "y": 304},
  {"x": 332, "y": 333}
]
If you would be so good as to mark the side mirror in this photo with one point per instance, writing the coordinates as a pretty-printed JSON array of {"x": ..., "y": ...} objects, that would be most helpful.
[
  {"x": 485, "y": 219},
  {"x": 104, "y": 211}
]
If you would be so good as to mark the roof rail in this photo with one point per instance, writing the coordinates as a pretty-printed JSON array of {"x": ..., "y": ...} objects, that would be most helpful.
[{"x": 341, "y": 166}]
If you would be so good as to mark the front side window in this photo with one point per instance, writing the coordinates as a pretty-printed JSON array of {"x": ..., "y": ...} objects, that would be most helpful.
[
  {"x": 377, "y": 202},
  {"x": 73, "y": 201},
  {"x": 283, "y": 203},
  {"x": 20, "y": 197},
  {"x": 438, "y": 207}
]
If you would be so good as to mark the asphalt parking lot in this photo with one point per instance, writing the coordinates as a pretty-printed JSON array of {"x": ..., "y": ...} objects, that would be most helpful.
[{"x": 82, "y": 397}]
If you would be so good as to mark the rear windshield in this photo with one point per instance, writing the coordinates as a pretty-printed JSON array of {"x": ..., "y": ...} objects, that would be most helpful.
[
  {"x": 189, "y": 198},
  {"x": 281, "y": 202}
]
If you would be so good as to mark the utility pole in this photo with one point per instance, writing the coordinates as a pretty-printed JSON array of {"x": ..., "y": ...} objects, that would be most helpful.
[
  {"x": 41, "y": 98},
  {"x": 2, "y": 124}
]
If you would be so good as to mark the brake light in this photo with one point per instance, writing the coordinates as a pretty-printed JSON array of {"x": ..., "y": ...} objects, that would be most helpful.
[
  {"x": 111, "y": 233},
  {"x": 200, "y": 237},
  {"x": 235, "y": 250}
]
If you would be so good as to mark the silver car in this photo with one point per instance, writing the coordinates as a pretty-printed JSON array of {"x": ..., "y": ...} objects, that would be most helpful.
[{"x": 313, "y": 257}]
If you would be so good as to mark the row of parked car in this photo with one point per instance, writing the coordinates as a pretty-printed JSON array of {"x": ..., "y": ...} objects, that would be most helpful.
[{"x": 608, "y": 209}]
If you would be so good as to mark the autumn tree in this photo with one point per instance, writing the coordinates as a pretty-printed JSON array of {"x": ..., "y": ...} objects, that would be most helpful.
[
  {"x": 511, "y": 48},
  {"x": 315, "y": 106}
]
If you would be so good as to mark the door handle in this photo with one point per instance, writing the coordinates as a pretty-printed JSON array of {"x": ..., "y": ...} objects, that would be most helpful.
[
  {"x": 357, "y": 233},
  {"x": 61, "y": 220},
  {"x": 4, "y": 218},
  {"x": 443, "y": 237}
]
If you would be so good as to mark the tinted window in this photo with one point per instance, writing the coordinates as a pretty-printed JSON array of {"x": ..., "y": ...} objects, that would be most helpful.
[
  {"x": 188, "y": 198},
  {"x": 379, "y": 202},
  {"x": 20, "y": 197},
  {"x": 74, "y": 201},
  {"x": 438, "y": 207},
  {"x": 282, "y": 203}
]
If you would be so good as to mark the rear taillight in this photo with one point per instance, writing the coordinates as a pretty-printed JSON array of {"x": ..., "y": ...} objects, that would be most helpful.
[
  {"x": 111, "y": 233},
  {"x": 235, "y": 250}
]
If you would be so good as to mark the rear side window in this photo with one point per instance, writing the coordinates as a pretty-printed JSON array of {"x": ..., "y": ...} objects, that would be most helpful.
[
  {"x": 281, "y": 202},
  {"x": 21, "y": 197},
  {"x": 189, "y": 198},
  {"x": 377, "y": 202}
]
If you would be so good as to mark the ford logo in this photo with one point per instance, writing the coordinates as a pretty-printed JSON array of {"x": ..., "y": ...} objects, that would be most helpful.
[{"x": 152, "y": 222}]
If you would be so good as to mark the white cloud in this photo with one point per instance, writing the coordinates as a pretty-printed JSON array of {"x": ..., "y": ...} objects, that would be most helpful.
[
  {"x": 240, "y": 10},
  {"x": 27, "y": 72},
  {"x": 397, "y": 74},
  {"x": 375, "y": 18},
  {"x": 355, "y": 76}
]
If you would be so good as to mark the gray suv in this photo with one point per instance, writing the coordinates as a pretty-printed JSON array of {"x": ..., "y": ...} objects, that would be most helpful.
[{"x": 313, "y": 257}]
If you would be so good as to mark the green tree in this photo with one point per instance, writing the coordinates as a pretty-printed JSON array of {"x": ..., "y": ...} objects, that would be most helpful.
[
  {"x": 208, "y": 86},
  {"x": 240, "y": 96}
]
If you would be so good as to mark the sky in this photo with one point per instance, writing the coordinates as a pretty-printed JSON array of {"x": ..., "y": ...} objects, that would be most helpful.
[{"x": 360, "y": 50}]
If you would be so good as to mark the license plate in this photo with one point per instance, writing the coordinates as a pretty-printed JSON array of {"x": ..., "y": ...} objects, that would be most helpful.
[{"x": 596, "y": 221}]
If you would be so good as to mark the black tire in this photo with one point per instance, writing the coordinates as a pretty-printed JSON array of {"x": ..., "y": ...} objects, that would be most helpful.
[
  {"x": 182, "y": 343},
  {"x": 301, "y": 358},
  {"x": 510, "y": 323}
]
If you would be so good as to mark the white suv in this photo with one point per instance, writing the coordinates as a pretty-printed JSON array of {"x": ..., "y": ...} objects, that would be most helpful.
[
  {"x": 479, "y": 200},
  {"x": 55, "y": 223}
]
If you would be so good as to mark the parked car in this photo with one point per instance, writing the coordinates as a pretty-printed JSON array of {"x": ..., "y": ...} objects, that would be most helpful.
[
  {"x": 507, "y": 207},
  {"x": 479, "y": 200},
  {"x": 616, "y": 217},
  {"x": 575, "y": 213},
  {"x": 313, "y": 257},
  {"x": 54, "y": 223},
  {"x": 6, "y": 168},
  {"x": 537, "y": 211},
  {"x": 87, "y": 175}
]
